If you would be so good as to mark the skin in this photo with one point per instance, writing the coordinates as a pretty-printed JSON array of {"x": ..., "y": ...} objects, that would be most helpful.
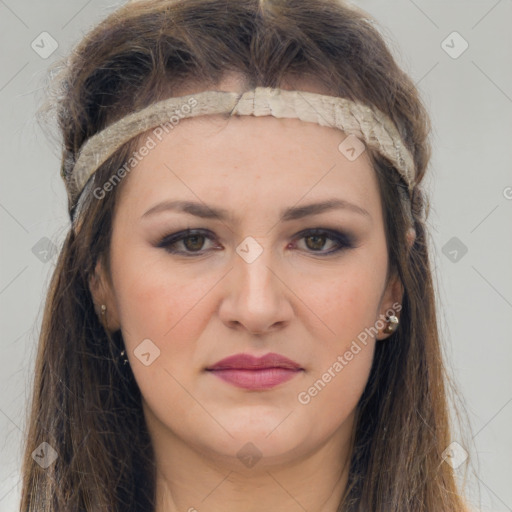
[{"x": 290, "y": 300}]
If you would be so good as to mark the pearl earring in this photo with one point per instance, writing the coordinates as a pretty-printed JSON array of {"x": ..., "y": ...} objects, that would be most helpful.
[{"x": 392, "y": 324}]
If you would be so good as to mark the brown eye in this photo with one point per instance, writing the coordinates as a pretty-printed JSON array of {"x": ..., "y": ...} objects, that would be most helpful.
[
  {"x": 194, "y": 242},
  {"x": 185, "y": 242},
  {"x": 317, "y": 242}
]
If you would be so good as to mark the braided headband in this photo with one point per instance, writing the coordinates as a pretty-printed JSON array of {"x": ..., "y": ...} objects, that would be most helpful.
[{"x": 365, "y": 122}]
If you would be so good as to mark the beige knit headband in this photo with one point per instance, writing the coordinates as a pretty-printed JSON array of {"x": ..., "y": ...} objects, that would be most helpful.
[{"x": 367, "y": 123}]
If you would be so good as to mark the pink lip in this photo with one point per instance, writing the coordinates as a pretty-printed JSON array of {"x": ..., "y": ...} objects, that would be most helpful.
[{"x": 249, "y": 372}]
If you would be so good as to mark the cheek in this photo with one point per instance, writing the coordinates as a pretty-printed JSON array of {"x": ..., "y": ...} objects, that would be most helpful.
[
  {"x": 346, "y": 300},
  {"x": 164, "y": 304},
  {"x": 171, "y": 309},
  {"x": 343, "y": 357},
  {"x": 347, "y": 303},
  {"x": 331, "y": 395}
]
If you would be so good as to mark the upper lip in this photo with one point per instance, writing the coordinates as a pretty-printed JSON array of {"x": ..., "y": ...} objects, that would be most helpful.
[{"x": 249, "y": 362}]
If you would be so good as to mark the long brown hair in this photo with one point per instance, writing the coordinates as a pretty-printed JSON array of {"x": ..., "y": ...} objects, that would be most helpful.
[{"x": 86, "y": 405}]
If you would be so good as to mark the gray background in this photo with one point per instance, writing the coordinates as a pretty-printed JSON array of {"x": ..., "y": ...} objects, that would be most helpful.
[{"x": 470, "y": 101}]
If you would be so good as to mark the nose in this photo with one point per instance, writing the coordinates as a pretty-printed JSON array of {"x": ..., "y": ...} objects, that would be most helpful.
[{"x": 256, "y": 297}]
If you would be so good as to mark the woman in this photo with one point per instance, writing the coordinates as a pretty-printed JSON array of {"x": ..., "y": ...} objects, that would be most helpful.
[{"x": 242, "y": 316}]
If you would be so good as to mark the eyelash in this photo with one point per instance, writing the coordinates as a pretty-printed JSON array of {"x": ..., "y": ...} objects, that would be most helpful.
[{"x": 343, "y": 240}]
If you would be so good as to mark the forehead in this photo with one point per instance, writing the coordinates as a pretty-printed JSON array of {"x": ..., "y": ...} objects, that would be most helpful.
[{"x": 249, "y": 159}]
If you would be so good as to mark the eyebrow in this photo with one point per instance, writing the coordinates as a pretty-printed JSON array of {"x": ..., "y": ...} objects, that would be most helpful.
[{"x": 293, "y": 213}]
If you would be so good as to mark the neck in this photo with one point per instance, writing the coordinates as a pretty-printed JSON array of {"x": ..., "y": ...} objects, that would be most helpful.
[{"x": 194, "y": 481}]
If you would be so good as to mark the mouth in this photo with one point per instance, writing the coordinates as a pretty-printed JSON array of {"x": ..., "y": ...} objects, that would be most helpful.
[{"x": 256, "y": 373}]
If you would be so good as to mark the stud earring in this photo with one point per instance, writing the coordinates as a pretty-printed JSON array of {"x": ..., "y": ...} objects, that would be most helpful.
[
  {"x": 123, "y": 357},
  {"x": 392, "y": 324},
  {"x": 103, "y": 309}
]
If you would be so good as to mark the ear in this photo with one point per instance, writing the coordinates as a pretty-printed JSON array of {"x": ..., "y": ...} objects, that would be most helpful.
[
  {"x": 102, "y": 293},
  {"x": 391, "y": 302},
  {"x": 411, "y": 237}
]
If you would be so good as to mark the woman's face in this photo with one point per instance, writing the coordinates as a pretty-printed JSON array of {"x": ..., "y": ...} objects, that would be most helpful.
[{"x": 263, "y": 272}]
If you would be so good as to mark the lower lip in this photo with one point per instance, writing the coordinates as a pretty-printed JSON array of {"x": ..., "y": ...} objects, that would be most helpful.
[{"x": 265, "y": 378}]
